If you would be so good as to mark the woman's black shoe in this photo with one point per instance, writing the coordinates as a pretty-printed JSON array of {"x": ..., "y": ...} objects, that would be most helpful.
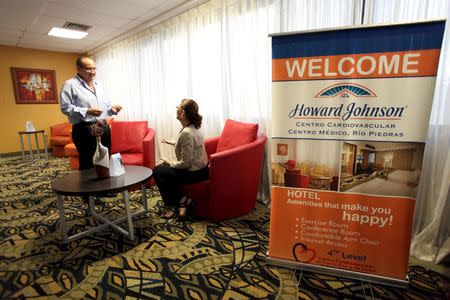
[
  {"x": 186, "y": 209},
  {"x": 168, "y": 213}
]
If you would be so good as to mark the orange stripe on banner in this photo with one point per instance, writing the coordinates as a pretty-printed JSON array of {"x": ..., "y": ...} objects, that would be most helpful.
[
  {"x": 369, "y": 65},
  {"x": 363, "y": 233}
]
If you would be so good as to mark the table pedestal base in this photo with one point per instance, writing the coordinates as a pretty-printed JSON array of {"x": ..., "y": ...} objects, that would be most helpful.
[{"x": 113, "y": 223}]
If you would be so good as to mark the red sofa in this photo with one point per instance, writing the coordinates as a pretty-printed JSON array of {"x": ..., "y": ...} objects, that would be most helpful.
[
  {"x": 235, "y": 166},
  {"x": 134, "y": 140},
  {"x": 60, "y": 136}
]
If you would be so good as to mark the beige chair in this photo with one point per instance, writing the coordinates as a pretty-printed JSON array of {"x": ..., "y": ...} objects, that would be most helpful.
[
  {"x": 278, "y": 174},
  {"x": 317, "y": 177},
  {"x": 304, "y": 168}
]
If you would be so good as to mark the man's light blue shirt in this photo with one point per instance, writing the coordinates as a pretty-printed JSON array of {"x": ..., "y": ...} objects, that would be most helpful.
[{"x": 77, "y": 97}]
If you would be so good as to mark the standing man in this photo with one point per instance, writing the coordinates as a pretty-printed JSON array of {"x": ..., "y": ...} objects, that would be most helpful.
[{"x": 85, "y": 103}]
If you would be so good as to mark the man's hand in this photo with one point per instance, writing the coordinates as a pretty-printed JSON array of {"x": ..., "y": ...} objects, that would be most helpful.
[
  {"x": 94, "y": 111},
  {"x": 116, "y": 108}
]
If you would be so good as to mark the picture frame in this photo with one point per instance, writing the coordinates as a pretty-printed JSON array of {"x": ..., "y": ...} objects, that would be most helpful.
[
  {"x": 282, "y": 149},
  {"x": 34, "y": 86}
]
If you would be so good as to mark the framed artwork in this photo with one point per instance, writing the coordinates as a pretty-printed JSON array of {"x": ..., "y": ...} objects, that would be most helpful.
[
  {"x": 282, "y": 149},
  {"x": 34, "y": 86}
]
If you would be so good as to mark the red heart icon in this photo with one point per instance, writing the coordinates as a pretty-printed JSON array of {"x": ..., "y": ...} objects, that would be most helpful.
[{"x": 302, "y": 253}]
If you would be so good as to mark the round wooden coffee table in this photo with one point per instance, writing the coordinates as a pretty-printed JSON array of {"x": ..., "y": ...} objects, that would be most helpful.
[{"x": 86, "y": 183}]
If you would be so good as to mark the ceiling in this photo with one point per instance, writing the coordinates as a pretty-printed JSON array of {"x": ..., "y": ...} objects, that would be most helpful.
[{"x": 25, "y": 23}]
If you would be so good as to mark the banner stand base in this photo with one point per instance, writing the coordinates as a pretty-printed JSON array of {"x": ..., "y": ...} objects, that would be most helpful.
[
  {"x": 294, "y": 279},
  {"x": 337, "y": 272}
]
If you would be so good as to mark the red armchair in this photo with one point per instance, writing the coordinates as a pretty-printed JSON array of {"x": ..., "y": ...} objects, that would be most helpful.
[
  {"x": 60, "y": 136},
  {"x": 293, "y": 178},
  {"x": 134, "y": 140},
  {"x": 234, "y": 172},
  {"x": 290, "y": 164}
]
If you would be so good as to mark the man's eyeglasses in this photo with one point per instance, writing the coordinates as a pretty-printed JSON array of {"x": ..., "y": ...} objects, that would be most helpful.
[{"x": 88, "y": 69}]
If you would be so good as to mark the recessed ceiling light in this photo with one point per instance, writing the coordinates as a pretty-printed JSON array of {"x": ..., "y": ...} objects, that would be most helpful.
[{"x": 67, "y": 33}]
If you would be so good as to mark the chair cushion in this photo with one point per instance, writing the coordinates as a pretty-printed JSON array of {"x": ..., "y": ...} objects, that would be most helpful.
[
  {"x": 127, "y": 137},
  {"x": 71, "y": 150},
  {"x": 291, "y": 164},
  {"x": 236, "y": 134},
  {"x": 59, "y": 140},
  {"x": 136, "y": 159}
]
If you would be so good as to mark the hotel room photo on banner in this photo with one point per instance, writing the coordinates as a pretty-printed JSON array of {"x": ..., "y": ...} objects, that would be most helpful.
[
  {"x": 377, "y": 168},
  {"x": 350, "y": 114},
  {"x": 381, "y": 168}
]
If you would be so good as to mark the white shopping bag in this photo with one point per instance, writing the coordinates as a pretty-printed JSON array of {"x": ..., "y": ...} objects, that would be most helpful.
[
  {"x": 101, "y": 160},
  {"x": 29, "y": 126},
  {"x": 115, "y": 166}
]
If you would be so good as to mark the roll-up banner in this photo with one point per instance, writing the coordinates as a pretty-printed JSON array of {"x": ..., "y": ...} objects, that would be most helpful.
[{"x": 350, "y": 113}]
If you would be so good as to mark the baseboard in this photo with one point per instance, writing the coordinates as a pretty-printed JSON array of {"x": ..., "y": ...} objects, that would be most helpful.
[{"x": 10, "y": 154}]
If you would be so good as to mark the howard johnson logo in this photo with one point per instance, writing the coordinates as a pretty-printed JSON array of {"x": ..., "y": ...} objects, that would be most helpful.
[
  {"x": 348, "y": 111},
  {"x": 343, "y": 90}
]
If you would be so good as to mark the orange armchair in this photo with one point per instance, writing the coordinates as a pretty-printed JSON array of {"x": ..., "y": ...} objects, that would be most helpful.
[
  {"x": 234, "y": 172},
  {"x": 72, "y": 153},
  {"x": 60, "y": 136},
  {"x": 134, "y": 140}
]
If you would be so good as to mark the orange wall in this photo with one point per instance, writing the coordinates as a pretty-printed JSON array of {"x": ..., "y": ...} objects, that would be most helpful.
[{"x": 13, "y": 116}]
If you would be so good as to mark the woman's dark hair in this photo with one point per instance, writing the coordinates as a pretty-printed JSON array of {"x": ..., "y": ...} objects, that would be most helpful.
[{"x": 190, "y": 108}]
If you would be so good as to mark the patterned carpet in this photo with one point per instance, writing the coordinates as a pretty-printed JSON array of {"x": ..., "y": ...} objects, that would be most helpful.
[{"x": 167, "y": 260}]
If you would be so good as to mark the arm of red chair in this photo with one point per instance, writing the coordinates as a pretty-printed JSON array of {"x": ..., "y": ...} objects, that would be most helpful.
[
  {"x": 234, "y": 179},
  {"x": 304, "y": 181},
  {"x": 149, "y": 149},
  {"x": 211, "y": 145}
]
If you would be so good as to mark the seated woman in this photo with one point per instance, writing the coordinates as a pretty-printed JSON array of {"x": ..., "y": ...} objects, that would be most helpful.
[{"x": 191, "y": 165}]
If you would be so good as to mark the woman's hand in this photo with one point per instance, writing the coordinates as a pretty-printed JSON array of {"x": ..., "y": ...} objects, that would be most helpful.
[{"x": 164, "y": 141}]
